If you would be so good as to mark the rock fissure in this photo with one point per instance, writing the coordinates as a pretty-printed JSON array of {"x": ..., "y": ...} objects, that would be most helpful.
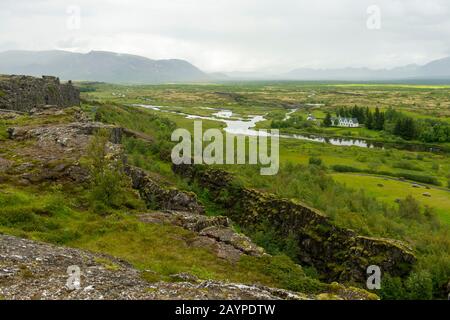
[{"x": 338, "y": 254}]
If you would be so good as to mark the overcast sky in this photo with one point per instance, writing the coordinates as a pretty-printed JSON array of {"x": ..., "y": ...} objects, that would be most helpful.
[{"x": 231, "y": 35}]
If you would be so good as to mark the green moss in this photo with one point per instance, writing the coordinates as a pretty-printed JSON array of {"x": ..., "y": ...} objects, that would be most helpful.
[{"x": 108, "y": 264}]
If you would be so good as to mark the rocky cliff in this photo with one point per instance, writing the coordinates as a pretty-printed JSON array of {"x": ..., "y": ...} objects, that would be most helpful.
[
  {"x": 23, "y": 93},
  {"x": 338, "y": 254}
]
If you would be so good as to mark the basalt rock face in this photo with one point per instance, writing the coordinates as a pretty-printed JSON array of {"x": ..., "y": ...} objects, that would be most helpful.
[
  {"x": 161, "y": 197},
  {"x": 23, "y": 93},
  {"x": 338, "y": 254}
]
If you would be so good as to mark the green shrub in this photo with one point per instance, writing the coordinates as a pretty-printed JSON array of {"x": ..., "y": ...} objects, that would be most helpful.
[
  {"x": 268, "y": 238},
  {"x": 410, "y": 176},
  {"x": 406, "y": 165},
  {"x": 108, "y": 181},
  {"x": 409, "y": 208},
  {"x": 18, "y": 216},
  {"x": 345, "y": 168},
  {"x": 392, "y": 288},
  {"x": 419, "y": 178},
  {"x": 419, "y": 286},
  {"x": 315, "y": 161}
]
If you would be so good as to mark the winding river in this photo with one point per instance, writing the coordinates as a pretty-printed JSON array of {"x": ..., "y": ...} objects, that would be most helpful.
[{"x": 240, "y": 126}]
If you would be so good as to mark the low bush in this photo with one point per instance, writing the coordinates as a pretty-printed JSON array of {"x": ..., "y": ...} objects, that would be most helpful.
[
  {"x": 315, "y": 161},
  {"x": 406, "y": 165},
  {"x": 406, "y": 175},
  {"x": 345, "y": 168}
]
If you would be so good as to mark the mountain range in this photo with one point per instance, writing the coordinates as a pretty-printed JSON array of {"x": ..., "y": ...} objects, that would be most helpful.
[
  {"x": 99, "y": 66},
  {"x": 435, "y": 70},
  {"x": 126, "y": 68}
]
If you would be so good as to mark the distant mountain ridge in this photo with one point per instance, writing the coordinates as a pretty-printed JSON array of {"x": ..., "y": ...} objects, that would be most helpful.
[
  {"x": 127, "y": 68},
  {"x": 435, "y": 70},
  {"x": 99, "y": 66}
]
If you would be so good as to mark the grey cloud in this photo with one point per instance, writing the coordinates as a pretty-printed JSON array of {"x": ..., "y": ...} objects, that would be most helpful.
[{"x": 227, "y": 35}]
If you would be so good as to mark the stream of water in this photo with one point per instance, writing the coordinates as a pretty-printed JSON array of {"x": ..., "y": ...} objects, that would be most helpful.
[{"x": 239, "y": 126}]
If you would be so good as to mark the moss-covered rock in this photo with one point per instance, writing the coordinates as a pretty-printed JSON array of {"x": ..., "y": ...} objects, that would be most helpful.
[{"x": 158, "y": 196}]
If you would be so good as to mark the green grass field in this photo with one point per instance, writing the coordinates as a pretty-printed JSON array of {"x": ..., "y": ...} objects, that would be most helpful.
[{"x": 388, "y": 191}]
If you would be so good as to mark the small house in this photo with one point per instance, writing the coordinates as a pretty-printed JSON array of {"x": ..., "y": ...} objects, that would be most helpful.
[{"x": 345, "y": 122}]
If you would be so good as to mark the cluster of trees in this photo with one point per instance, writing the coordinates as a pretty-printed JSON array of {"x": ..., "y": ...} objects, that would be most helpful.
[
  {"x": 405, "y": 128},
  {"x": 373, "y": 120},
  {"x": 396, "y": 123},
  {"x": 426, "y": 130},
  {"x": 435, "y": 132}
]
